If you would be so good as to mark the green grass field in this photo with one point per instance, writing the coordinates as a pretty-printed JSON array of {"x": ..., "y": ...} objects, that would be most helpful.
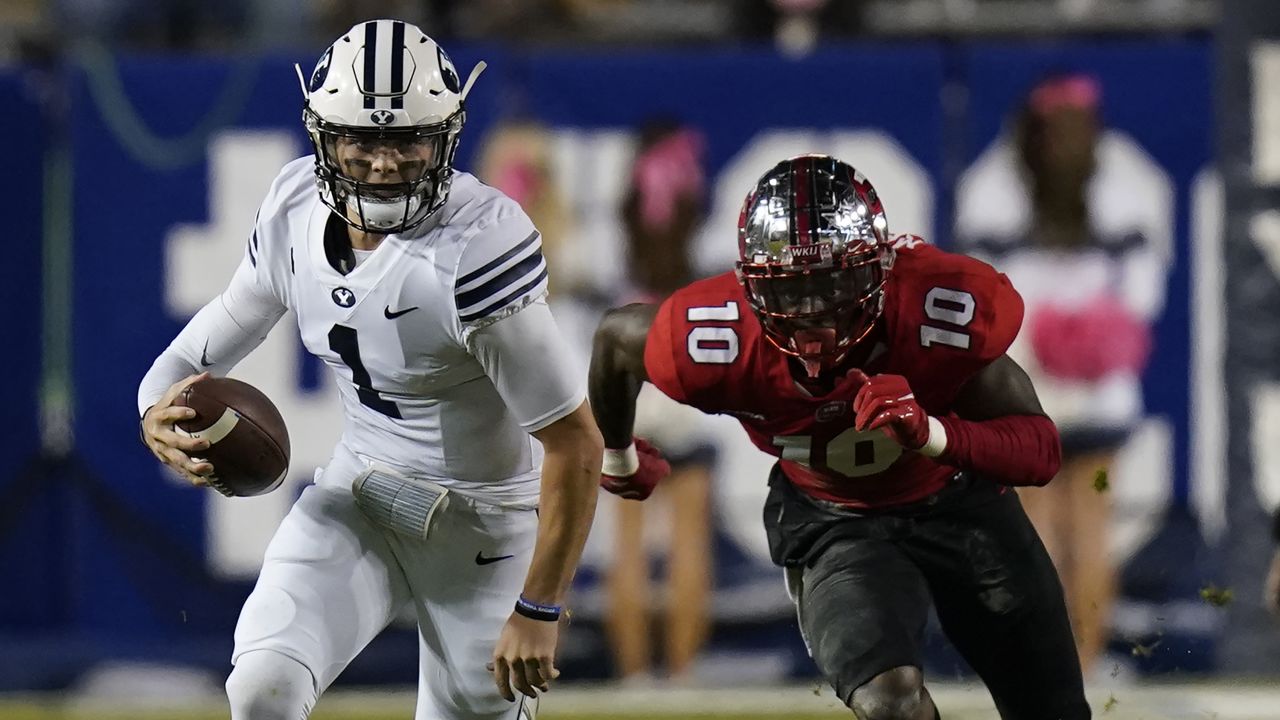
[{"x": 1258, "y": 700}]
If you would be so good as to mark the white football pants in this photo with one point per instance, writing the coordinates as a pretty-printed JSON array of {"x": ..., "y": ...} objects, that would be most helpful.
[{"x": 331, "y": 581}]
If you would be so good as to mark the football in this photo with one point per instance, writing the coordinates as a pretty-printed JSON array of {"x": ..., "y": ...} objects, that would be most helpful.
[{"x": 249, "y": 443}]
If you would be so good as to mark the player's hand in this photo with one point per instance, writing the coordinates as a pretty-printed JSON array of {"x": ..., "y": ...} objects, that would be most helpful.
[
  {"x": 524, "y": 657},
  {"x": 640, "y": 484},
  {"x": 1271, "y": 591},
  {"x": 885, "y": 402},
  {"x": 166, "y": 443}
]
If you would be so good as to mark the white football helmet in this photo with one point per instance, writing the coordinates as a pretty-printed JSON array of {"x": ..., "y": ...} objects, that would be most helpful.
[{"x": 385, "y": 92}]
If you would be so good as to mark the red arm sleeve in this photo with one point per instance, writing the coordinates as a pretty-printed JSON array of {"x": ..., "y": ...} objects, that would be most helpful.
[{"x": 1013, "y": 450}]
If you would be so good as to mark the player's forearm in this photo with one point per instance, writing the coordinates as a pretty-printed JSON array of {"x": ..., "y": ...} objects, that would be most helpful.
[
  {"x": 613, "y": 393},
  {"x": 570, "y": 475},
  {"x": 616, "y": 375},
  {"x": 216, "y": 338},
  {"x": 169, "y": 368},
  {"x": 1013, "y": 450}
]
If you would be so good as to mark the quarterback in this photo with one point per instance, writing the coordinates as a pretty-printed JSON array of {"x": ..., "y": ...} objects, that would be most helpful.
[
  {"x": 874, "y": 369},
  {"x": 423, "y": 291}
]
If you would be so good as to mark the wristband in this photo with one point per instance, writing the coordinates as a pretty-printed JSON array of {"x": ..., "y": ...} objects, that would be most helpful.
[
  {"x": 621, "y": 463},
  {"x": 538, "y": 611},
  {"x": 937, "y": 442},
  {"x": 142, "y": 433}
]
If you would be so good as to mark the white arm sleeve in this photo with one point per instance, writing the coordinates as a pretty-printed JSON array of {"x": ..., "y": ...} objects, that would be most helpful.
[
  {"x": 530, "y": 364},
  {"x": 218, "y": 337}
]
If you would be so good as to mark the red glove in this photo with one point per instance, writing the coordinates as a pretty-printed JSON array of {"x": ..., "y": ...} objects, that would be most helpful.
[
  {"x": 886, "y": 402},
  {"x": 640, "y": 483}
]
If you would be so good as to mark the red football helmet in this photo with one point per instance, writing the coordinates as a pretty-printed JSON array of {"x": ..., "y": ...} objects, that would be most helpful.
[{"x": 814, "y": 252}]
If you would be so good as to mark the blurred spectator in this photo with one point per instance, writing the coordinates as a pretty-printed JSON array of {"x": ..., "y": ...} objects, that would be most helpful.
[
  {"x": 799, "y": 24},
  {"x": 511, "y": 21},
  {"x": 334, "y": 17},
  {"x": 19, "y": 20},
  {"x": 661, "y": 213},
  {"x": 161, "y": 24},
  {"x": 1055, "y": 208},
  {"x": 516, "y": 159}
]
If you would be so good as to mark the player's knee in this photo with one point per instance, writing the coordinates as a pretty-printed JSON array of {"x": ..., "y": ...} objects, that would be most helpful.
[
  {"x": 267, "y": 685},
  {"x": 895, "y": 694}
]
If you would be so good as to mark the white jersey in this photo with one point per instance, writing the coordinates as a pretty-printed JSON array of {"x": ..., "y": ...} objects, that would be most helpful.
[{"x": 440, "y": 340}]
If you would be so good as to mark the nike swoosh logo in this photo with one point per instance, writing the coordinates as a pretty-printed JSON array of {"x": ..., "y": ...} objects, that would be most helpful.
[
  {"x": 204, "y": 355},
  {"x": 482, "y": 560},
  {"x": 393, "y": 315}
]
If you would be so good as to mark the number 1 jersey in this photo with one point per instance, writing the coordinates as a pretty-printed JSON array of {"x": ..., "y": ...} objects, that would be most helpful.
[
  {"x": 402, "y": 328},
  {"x": 945, "y": 317}
]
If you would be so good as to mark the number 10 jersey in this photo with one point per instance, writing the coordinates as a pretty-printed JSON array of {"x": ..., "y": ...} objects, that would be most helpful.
[{"x": 945, "y": 317}]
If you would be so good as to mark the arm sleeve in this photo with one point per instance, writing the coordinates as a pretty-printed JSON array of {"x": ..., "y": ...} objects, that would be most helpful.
[
  {"x": 1012, "y": 450},
  {"x": 530, "y": 364},
  {"x": 220, "y": 335}
]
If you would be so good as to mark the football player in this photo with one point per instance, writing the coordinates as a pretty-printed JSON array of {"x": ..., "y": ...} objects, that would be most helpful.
[
  {"x": 424, "y": 292},
  {"x": 874, "y": 369}
]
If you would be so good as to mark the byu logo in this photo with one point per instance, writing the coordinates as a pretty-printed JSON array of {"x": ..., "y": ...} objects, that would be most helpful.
[
  {"x": 382, "y": 117},
  {"x": 447, "y": 73},
  {"x": 343, "y": 297},
  {"x": 322, "y": 70}
]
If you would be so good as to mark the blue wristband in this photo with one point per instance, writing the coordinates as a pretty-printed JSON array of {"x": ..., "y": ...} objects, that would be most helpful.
[{"x": 538, "y": 611}]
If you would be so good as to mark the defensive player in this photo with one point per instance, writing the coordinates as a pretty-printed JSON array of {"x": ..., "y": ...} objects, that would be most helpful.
[
  {"x": 423, "y": 291},
  {"x": 874, "y": 369}
]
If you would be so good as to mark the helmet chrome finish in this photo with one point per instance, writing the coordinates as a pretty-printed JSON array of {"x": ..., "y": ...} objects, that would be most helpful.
[{"x": 814, "y": 253}]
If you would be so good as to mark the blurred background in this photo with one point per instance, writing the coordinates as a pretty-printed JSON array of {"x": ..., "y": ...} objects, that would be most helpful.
[{"x": 1119, "y": 159}]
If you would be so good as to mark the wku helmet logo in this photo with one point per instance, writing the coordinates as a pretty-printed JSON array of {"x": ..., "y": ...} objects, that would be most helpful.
[
  {"x": 816, "y": 253},
  {"x": 382, "y": 117}
]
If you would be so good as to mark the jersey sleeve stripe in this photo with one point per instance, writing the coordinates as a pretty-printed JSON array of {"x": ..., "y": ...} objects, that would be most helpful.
[
  {"x": 530, "y": 287},
  {"x": 479, "y": 273},
  {"x": 253, "y": 245},
  {"x": 515, "y": 275},
  {"x": 504, "y": 270}
]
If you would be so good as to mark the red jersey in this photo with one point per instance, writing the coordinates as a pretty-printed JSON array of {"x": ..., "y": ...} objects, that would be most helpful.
[{"x": 945, "y": 317}]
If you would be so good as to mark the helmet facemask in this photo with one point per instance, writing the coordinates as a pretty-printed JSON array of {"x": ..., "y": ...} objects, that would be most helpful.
[
  {"x": 817, "y": 314},
  {"x": 385, "y": 91},
  {"x": 349, "y": 161}
]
